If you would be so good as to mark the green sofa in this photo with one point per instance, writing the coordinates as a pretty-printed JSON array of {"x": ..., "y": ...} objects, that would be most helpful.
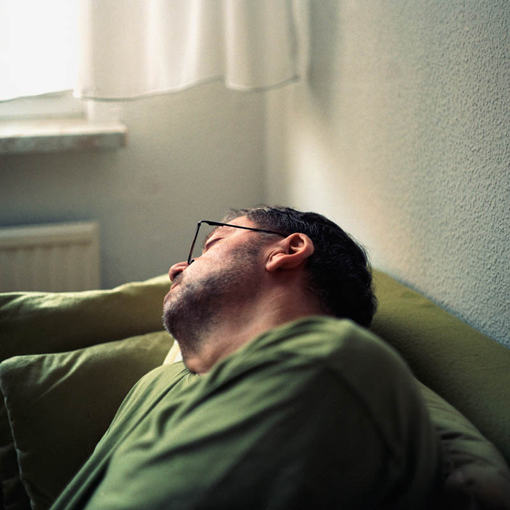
[{"x": 69, "y": 359}]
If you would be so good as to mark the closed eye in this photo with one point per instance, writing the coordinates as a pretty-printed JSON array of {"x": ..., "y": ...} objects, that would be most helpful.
[{"x": 210, "y": 242}]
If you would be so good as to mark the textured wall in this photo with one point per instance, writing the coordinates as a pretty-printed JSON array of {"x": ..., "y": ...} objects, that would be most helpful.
[
  {"x": 402, "y": 134},
  {"x": 190, "y": 155}
]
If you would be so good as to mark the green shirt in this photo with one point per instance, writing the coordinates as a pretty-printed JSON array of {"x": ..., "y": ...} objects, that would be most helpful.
[{"x": 318, "y": 413}]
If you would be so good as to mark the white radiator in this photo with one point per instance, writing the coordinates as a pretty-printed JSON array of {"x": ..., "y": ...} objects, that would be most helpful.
[{"x": 57, "y": 257}]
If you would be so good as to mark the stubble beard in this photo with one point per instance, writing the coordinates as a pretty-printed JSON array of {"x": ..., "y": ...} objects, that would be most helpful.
[{"x": 198, "y": 306}]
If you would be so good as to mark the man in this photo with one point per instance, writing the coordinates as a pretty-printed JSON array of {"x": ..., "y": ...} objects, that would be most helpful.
[
  {"x": 259, "y": 280},
  {"x": 279, "y": 405}
]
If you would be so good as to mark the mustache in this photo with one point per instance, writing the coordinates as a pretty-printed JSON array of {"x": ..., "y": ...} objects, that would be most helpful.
[{"x": 178, "y": 277}]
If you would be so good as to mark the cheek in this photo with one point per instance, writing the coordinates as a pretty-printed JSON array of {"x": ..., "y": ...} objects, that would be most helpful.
[
  {"x": 200, "y": 269},
  {"x": 213, "y": 258}
]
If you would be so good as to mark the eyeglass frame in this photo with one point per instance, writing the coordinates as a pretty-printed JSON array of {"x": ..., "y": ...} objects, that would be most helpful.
[{"x": 219, "y": 224}]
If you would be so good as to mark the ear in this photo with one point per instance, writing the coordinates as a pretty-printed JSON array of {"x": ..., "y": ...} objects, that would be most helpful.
[{"x": 290, "y": 253}]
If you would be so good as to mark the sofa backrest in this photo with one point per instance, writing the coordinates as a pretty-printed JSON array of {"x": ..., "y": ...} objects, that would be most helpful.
[{"x": 468, "y": 369}]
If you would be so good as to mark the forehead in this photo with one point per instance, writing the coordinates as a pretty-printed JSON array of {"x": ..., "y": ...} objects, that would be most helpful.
[{"x": 240, "y": 220}]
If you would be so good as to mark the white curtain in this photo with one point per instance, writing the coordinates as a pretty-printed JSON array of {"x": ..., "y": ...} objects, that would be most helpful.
[{"x": 132, "y": 48}]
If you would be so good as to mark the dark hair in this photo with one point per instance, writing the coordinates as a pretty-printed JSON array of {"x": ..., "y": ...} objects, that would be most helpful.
[{"x": 340, "y": 274}]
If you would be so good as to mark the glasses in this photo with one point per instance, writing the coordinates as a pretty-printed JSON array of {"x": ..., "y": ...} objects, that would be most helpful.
[{"x": 206, "y": 235}]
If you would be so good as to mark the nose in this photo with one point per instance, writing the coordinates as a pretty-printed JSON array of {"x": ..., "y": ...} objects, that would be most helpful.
[{"x": 176, "y": 269}]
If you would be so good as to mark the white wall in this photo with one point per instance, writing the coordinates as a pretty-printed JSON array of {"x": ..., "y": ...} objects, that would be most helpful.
[
  {"x": 401, "y": 134},
  {"x": 190, "y": 156}
]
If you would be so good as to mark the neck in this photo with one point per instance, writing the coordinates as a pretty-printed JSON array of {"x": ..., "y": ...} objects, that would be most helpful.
[{"x": 240, "y": 325}]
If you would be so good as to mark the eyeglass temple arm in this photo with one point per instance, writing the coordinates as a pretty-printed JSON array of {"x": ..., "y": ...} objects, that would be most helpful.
[{"x": 240, "y": 226}]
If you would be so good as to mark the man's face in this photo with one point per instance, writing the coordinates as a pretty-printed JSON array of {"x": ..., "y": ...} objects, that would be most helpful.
[{"x": 225, "y": 277}]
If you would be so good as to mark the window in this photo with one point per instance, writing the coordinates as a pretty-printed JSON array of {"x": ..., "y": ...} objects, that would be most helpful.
[
  {"x": 38, "y": 66},
  {"x": 38, "y": 47}
]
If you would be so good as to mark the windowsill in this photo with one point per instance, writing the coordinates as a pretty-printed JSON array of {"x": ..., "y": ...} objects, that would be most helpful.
[{"x": 60, "y": 135}]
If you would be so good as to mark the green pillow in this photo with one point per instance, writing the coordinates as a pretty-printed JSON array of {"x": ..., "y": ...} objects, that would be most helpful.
[
  {"x": 467, "y": 368},
  {"x": 14, "y": 495},
  {"x": 59, "y": 405},
  {"x": 37, "y": 322},
  {"x": 475, "y": 473}
]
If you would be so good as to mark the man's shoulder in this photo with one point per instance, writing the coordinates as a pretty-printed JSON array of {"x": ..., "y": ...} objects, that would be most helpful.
[
  {"x": 319, "y": 336},
  {"x": 313, "y": 343}
]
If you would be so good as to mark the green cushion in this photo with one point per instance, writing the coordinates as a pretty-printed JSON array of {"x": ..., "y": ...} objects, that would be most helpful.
[
  {"x": 468, "y": 369},
  {"x": 36, "y": 322},
  {"x": 14, "y": 495},
  {"x": 59, "y": 405},
  {"x": 475, "y": 473}
]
